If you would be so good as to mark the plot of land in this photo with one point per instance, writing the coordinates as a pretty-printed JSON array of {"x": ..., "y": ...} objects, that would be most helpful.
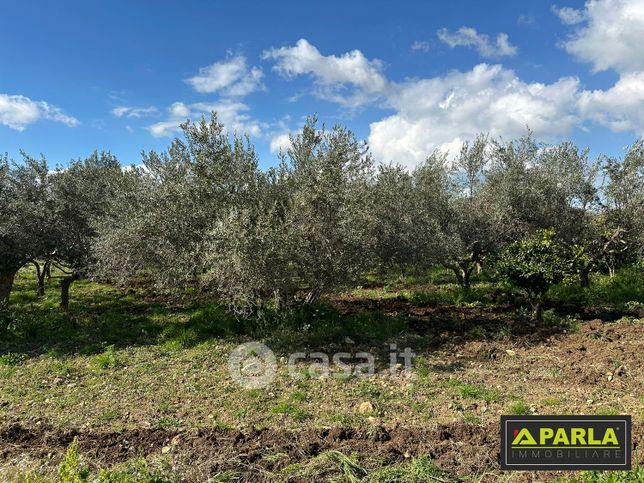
[{"x": 142, "y": 382}]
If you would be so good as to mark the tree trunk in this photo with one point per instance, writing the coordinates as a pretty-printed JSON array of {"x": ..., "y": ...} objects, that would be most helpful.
[
  {"x": 47, "y": 269},
  {"x": 479, "y": 267},
  {"x": 312, "y": 296},
  {"x": 40, "y": 274},
  {"x": 6, "y": 283},
  {"x": 585, "y": 277},
  {"x": 463, "y": 272},
  {"x": 402, "y": 278},
  {"x": 537, "y": 307},
  {"x": 459, "y": 275},
  {"x": 280, "y": 300},
  {"x": 65, "y": 283},
  {"x": 465, "y": 268},
  {"x": 466, "y": 273}
]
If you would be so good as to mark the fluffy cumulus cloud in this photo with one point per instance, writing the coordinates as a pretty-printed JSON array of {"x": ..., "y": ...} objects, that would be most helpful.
[
  {"x": 610, "y": 35},
  {"x": 17, "y": 112},
  {"x": 441, "y": 112},
  {"x": 280, "y": 142},
  {"x": 230, "y": 78},
  {"x": 469, "y": 37},
  {"x": 350, "y": 79},
  {"x": 133, "y": 112},
  {"x": 233, "y": 114},
  {"x": 620, "y": 108}
]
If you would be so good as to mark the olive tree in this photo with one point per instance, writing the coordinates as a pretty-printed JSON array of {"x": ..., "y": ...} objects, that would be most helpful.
[
  {"x": 624, "y": 198},
  {"x": 158, "y": 224},
  {"x": 250, "y": 249},
  {"x": 26, "y": 217},
  {"x": 304, "y": 225},
  {"x": 329, "y": 174},
  {"x": 406, "y": 230},
  {"x": 80, "y": 196},
  {"x": 474, "y": 223},
  {"x": 536, "y": 186}
]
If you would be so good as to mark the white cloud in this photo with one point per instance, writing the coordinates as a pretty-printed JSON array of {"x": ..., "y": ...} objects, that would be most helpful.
[
  {"x": 420, "y": 46},
  {"x": 349, "y": 80},
  {"x": 469, "y": 37},
  {"x": 620, "y": 108},
  {"x": 136, "y": 112},
  {"x": 280, "y": 142},
  {"x": 612, "y": 35},
  {"x": 17, "y": 112},
  {"x": 569, "y": 16},
  {"x": 232, "y": 114},
  {"x": 230, "y": 78},
  {"x": 441, "y": 112}
]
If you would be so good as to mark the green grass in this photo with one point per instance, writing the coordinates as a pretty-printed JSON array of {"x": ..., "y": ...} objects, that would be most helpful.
[
  {"x": 625, "y": 290},
  {"x": 636, "y": 475},
  {"x": 168, "y": 354},
  {"x": 73, "y": 469},
  {"x": 473, "y": 391},
  {"x": 519, "y": 408}
]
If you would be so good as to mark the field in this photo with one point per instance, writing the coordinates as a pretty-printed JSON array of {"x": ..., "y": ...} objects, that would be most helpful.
[{"x": 132, "y": 385}]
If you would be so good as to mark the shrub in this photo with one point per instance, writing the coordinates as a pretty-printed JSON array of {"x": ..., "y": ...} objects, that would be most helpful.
[{"x": 534, "y": 265}]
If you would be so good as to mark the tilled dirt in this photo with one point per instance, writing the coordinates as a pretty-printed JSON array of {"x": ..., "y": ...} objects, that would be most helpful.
[
  {"x": 460, "y": 449},
  {"x": 601, "y": 355}
]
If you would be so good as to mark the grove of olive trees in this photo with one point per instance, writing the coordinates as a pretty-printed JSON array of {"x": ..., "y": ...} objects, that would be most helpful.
[{"x": 204, "y": 215}]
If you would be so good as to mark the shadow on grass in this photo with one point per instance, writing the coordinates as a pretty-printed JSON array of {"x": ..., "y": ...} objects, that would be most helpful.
[{"x": 102, "y": 316}]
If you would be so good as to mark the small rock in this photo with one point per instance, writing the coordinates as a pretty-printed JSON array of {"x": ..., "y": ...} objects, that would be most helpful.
[
  {"x": 365, "y": 407},
  {"x": 165, "y": 450},
  {"x": 348, "y": 340},
  {"x": 511, "y": 352}
]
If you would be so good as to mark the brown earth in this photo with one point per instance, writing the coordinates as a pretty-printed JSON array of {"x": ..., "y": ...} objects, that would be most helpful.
[
  {"x": 603, "y": 355},
  {"x": 460, "y": 449}
]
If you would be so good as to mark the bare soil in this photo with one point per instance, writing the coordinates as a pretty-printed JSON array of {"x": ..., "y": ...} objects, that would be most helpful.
[
  {"x": 604, "y": 355},
  {"x": 460, "y": 449}
]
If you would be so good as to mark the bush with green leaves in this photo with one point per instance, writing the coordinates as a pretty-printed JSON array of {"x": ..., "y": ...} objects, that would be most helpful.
[{"x": 534, "y": 265}]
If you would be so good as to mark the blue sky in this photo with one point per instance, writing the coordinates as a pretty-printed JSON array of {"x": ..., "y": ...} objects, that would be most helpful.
[{"x": 407, "y": 76}]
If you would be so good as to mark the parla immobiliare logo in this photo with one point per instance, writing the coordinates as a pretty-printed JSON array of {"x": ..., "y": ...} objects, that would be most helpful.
[{"x": 565, "y": 442}]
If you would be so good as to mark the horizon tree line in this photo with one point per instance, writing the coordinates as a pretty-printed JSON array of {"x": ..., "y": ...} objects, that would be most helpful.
[{"x": 203, "y": 214}]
